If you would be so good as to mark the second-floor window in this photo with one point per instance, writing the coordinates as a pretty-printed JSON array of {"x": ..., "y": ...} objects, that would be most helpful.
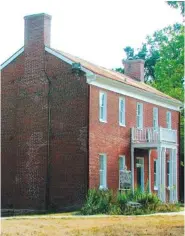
[
  {"x": 168, "y": 119},
  {"x": 155, "y": 117},
  {"x": 103, "y": 107},
  {"x": 122, "y": 111},
  {"x": 139, "y": 111}
]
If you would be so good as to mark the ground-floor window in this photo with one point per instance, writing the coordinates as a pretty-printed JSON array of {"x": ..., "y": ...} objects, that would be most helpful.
[
  {"x": 155, "y": 174},
  {"x": 103, "y": 171},
  {"x": 121, "y": 162},
  {"x": 168, "y": 173}
]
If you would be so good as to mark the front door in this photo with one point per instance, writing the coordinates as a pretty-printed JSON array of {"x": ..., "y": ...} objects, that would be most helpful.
[{"x": 140, "y": 172}]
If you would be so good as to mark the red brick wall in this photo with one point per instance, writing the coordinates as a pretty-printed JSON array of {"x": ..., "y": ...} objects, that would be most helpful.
[
  {"x": 69, "y": 134},
  {"x": 114, "y": 140},
  {"x": 10, "y": 75}
]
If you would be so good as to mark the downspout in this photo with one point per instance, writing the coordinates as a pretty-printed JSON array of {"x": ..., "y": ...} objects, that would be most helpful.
[{"x": 48, "y": 161}]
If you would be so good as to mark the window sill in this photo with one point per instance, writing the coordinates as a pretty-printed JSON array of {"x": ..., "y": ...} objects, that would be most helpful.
[
  {"x": 103, "y": 121},
  {"x": 103, "y": 188},
  {"x": 122, "y": 125}
]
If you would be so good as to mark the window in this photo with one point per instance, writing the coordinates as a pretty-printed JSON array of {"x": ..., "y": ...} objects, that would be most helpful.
[
  {"x": 168, "y": 174},
  {"x": 103, "y": 171},
  {"x": 155, "y": 175},
  {"x": 121, "y": 162},
  {"x": 155, "y": 118},
  {"x": 168, "y": 119},
  {"x": 139, "y": 115},
  {"x": 103, "y": 107},
  {"x": 122, "y": 111}
]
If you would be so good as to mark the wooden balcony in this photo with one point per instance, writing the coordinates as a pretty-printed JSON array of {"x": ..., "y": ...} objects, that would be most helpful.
[{"x": 152, "y": 137}]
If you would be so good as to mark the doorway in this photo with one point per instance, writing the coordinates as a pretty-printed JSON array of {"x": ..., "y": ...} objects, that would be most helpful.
[{"x": 140, "y": 172}]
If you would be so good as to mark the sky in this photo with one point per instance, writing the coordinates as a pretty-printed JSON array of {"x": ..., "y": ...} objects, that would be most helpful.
[{"x": 95, "y": 30}]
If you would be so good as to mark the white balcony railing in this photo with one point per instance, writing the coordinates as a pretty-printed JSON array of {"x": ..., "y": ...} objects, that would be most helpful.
[{"x": 151, "y": 135}]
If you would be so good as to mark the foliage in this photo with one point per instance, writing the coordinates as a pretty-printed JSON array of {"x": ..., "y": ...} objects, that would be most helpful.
[
  {"x": 177, "y": 5},
  {"x": 120, "y": 70},
  {"x": 106, "y": 202}
]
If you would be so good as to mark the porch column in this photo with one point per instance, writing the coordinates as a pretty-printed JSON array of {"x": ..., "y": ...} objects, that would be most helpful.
[
  {"x": 149, "y": 169},
  {"x": 175, "y": 174},
  {"x": 132, "y": 167},
  {"x": 163, "y": 174},
  {"x": 171, "y": 174},
  {"x": 159, "y": 171}
]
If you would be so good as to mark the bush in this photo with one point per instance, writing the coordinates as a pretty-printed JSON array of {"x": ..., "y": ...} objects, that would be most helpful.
[
  {"x": 105, "y": 202},
  {"x": 98, "y": 202}
]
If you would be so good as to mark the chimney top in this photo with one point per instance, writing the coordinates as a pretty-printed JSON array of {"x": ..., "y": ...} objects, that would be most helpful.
[
  {"x": 134, "y": 69},
  {"x": 37, "y": 15}
]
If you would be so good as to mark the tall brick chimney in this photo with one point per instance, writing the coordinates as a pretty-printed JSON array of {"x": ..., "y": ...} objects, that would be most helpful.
[
  {"x": 134, "y": 69},
  {"x": 32, "y": 113}
]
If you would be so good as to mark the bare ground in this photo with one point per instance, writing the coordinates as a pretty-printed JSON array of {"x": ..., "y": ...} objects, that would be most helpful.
[{"x": 99, "y": 226}]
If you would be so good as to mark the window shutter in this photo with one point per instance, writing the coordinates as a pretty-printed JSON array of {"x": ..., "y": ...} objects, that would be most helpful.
[
  {"x": 168, "y": 119},
  {"x": 103, "y": 174},
  {"x": 102, "y": 106},
  {"x": 139, "y": 119},
  {"x": 121, "y": 111}
]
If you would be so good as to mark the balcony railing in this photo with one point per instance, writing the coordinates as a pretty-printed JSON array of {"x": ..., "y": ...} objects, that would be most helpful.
[{"x": 151, "y": 135}]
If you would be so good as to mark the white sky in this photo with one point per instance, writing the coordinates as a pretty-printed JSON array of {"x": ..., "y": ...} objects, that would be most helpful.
[{"x": 95, "y": 30}]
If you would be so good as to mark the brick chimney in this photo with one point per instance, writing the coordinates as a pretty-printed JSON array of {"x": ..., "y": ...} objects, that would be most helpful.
[
  {"x": 134, "y": 69},
  {"x": 32, "y": 113},
  {"x": 37, "y": 30}
]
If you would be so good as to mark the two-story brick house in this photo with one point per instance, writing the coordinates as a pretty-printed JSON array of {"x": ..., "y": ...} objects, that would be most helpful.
[{"x": 69, "y": 125}]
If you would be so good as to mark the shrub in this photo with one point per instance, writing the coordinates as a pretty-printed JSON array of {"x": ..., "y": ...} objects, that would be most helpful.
[
  {"x": 97, "y": 202},
  {"x": 168, "y": 207}
]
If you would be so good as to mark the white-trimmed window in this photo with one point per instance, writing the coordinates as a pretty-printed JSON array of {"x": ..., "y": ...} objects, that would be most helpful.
[
  {"x": 155, "y": 175},
  {"x": 168, "y": 174},
  {"x": 168, "y": 119},
  {"x": 122, "y": 111},
  {"x": 139, "y": 115},
  {"x": 103, "y": 171},
  {"x": 155, "y": 118},
  {"x": 121, "y": 162},
  {"x": 103, "y": 106}
]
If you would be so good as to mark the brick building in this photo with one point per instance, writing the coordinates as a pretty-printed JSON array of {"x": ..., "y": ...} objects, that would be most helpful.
[{"x": 69, "y": 125}]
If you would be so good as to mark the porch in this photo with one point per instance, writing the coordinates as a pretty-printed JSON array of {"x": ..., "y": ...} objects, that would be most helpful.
[{"x": 160, "y": 139}]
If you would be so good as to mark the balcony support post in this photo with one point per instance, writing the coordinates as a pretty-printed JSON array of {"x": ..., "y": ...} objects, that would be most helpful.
[
  {"x": 163, "y": 174},
  {"x": 132, "y": 167},
  {"x": 159, "y": 171},
  {"x": 149, "y": 168}
]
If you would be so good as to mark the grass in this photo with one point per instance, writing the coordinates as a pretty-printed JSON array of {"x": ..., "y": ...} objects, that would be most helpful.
[{"x": 111, "y": 226}]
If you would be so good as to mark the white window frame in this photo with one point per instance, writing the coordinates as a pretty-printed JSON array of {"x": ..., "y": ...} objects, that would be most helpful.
[
  {"x": 121, "y": 112},
  {"x": 155, "y": 118},
  {"x": 103, "y": 185},
  {"x": 155, "y": 175},
  {"x": 168, "y": 120},
  {"x": 102, "y": 109},
  {"x": 139, "y": 117}
]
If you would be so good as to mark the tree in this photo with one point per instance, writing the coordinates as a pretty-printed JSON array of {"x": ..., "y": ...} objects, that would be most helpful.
[{"x": 177, "y": 5}]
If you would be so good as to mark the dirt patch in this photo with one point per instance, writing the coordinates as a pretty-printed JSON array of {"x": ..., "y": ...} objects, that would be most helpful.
[{"x": 114, "y": 226}]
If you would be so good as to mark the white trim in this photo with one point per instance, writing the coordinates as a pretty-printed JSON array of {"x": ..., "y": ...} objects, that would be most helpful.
[
  {"x": 124, "y": 112},
  {"x": 13, "y": 57},
  {"x": 67, "y": 60},
  {"x": 130, "y": 91}
]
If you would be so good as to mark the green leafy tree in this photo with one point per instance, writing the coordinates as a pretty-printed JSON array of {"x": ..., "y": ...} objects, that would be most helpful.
[{"x": 177, "y": 5}]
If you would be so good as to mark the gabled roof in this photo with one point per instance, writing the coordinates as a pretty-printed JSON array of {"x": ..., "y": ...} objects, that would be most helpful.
[
  {"x": 107, "y": 73},
  {"x": 102, "y": 72}
]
